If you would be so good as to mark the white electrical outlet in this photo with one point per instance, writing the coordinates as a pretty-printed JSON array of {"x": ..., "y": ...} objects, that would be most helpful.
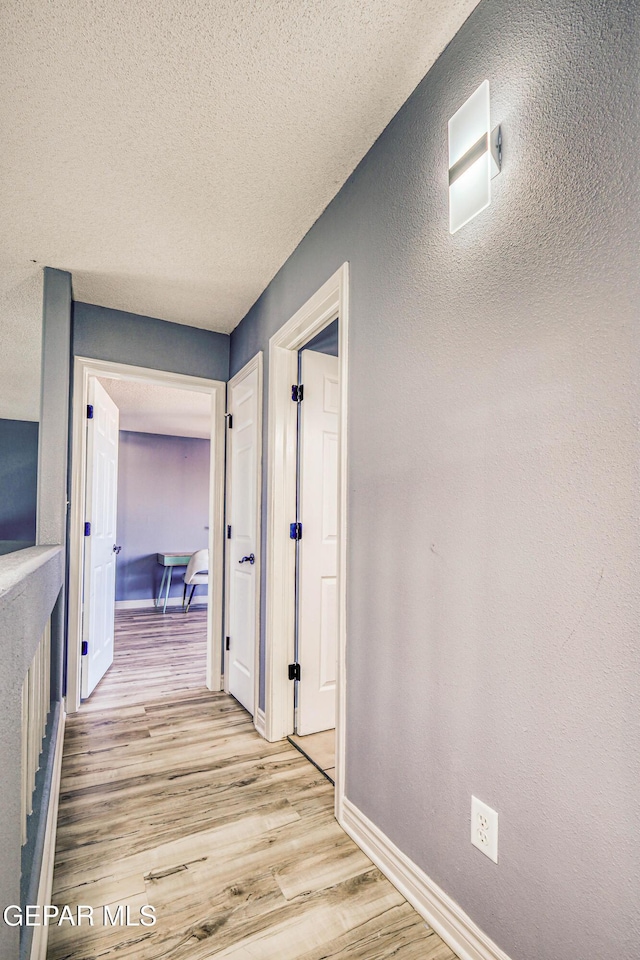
[{"x": 484, "y": 828}]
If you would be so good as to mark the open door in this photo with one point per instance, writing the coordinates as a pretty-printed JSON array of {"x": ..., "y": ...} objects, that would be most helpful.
[
  {"x": 244, "y": 406},
  {"x": 318, "y": 549},
  {"x": 100, "y": 537}
]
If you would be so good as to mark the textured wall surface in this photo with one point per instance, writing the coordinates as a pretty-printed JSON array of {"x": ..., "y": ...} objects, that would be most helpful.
[
  {"x": 21, "y": 335},
  {"x": 52, "y": 453},
  {"x": 104, "y": 334},
  {"x": 163, "y": 506},
  {"x": 493, "y": 601},
  {"x": 18, "y": 480}
]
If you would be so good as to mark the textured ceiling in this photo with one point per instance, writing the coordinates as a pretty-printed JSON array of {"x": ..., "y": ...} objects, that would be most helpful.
[
  {"x": 172, "y": 153},
  {"x": 146, "y": 408}
]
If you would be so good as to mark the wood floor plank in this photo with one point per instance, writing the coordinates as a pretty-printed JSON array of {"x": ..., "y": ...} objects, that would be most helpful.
[
  {"x": 335, "y": 862},
  {"x": 319, "y": 747},
  {"x": 169, "y": 797},
  {"x": 399, "y": 934}
]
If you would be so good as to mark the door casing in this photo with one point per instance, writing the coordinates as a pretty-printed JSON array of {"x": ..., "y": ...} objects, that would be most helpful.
[
  {"x": 84, "y": 368},
  {"x": 331, "y": 301}
]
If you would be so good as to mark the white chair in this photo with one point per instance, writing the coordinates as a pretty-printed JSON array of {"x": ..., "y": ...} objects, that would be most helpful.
[{"x": 197, "y": 572}]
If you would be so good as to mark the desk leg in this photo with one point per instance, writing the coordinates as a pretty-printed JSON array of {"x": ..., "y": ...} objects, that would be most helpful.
[
  {"x": 158, "y": 599},
  {"x": 170, "y": 569}
]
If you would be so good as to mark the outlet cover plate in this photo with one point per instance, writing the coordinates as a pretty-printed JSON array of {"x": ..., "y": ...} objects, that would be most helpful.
[{"x": 484, "y": 828}]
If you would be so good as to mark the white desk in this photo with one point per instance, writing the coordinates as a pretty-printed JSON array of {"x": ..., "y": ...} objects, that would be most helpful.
[{"x": 169, "y": 561}]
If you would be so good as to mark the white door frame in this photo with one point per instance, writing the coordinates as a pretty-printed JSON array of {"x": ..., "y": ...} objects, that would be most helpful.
[
  {"x": 84, "y": 368},
  {"x": 256, "y": 363},
  {"x": 330, "y": 302}
]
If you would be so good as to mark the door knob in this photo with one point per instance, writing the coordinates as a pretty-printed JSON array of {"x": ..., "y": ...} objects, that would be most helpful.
[
  {"x": 116, "y": 549},
  {"x": 251, "y": 558}
]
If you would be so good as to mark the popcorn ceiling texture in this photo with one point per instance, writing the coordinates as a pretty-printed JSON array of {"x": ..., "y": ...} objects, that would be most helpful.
[
  {"x": 172, "y": 153},
  {"x": 147, "y": 408}
]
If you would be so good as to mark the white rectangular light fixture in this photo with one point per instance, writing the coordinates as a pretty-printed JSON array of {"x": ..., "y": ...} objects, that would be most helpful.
[{"x": 470, "y": 160}]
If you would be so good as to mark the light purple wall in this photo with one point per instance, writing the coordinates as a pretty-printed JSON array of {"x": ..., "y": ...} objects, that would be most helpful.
[
  {"x": 163, "y": 488},
  {"x": 493, "y": 541}
]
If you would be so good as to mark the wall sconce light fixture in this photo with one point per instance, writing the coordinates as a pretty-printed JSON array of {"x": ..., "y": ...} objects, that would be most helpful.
[{"x": 475, "y": 157}]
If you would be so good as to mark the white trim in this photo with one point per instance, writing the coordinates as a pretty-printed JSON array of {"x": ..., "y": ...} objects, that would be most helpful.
[
  {"x": 256, "y": 363},
  {"x": 259, "y": 722},
  {"x": 45, "y": 886},
  {"x": 84, "y": 368},
  {"x": 330, "y": 302},
  {"x": 442, "y": 913},
  {"x": 150, "y": 603}
]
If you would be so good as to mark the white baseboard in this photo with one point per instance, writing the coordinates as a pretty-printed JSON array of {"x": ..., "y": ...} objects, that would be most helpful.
[
  {"x": 260, "y": 723},
  {"x": 442, "y": 913},
  {"x": 149, "y": 604},
  {"x": 45, "y": 887}
]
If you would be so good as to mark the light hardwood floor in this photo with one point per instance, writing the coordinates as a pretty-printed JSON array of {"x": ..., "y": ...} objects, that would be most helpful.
[
  {"x": 170, "y": 798},
  {"x": 320, "y": 748}
]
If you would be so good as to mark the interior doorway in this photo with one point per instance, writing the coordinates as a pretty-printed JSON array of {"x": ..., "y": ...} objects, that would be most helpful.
[
  {"x": 154, "y": 519},
  {"x": 99, "y": 545},
  {"x": 243, "y": 536},
  {"x": 93, "y": 476},
  {"x": 328, "y": 305},
  {"x": 316, "y": 641}
]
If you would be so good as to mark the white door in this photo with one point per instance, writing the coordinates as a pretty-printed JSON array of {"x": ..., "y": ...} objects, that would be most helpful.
[
  {"x": 99, "y": 552},
  {"x": 318, "y": 549},
  {"x": 244, "y": 406}
]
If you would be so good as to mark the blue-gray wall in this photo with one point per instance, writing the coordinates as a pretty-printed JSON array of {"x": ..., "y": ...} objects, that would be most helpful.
[
  {"x": 493, "y": 561},
  {"x": 105, "y": 334},
  {"x": 18, "y": 480},
  {"x": 163, "y": 506},
  {"x": 326, "y": 341},
  {"x": 54, "y": 408}
]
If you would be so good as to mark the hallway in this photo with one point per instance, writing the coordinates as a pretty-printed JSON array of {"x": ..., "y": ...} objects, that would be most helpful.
[{"x": 170, "y": 798}]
